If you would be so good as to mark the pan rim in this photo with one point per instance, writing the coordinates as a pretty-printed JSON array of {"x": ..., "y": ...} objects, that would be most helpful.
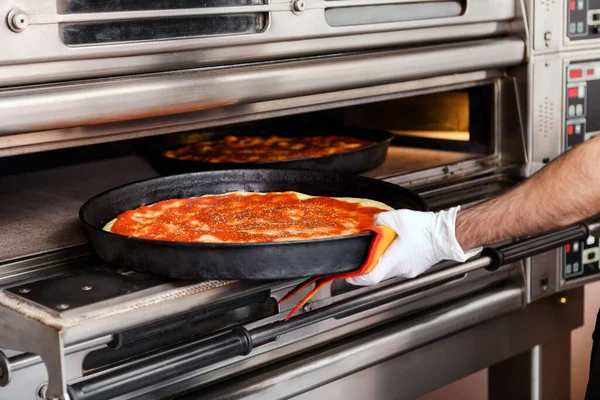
[{"x": 363, "y": 235}]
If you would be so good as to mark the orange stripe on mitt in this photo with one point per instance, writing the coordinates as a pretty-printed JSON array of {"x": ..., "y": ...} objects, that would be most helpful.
[{"x": 384, "y": 236}]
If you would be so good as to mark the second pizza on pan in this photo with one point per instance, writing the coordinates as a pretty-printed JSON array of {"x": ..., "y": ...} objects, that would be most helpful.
[{"x": 252, "y": 149}]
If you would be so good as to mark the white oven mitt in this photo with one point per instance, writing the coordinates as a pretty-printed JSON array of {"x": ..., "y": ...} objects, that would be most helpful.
[{"x": 424, "y": 239}]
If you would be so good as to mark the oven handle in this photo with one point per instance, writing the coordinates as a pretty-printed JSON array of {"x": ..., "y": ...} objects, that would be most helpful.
[
  {"x": 166, "y": 365},
  {"x": 537, "y": 244},
  {"x": 200, "y": 353}
]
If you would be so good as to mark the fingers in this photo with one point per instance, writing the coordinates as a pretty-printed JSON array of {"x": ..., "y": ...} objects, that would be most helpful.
[
  {"x": 385, "y": 268},
  {"x": 385, "y": 218}
]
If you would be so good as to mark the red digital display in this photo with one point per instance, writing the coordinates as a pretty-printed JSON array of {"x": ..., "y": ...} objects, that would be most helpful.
[
  {"x": 568, "y": 248},
  {"x": 570, "y": 129},
  {"x": 573, "y": 92},
  {"x": 575, "y": 73},
  {"x": 590, "y": 72}
]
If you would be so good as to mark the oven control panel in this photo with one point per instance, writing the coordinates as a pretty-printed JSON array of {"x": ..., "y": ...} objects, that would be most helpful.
[
  {"x": 581, "y": 259},
  {"x": 582, "y": 119},
  {"x": 582, "y": 103},
  {"x": 583, "y": 19}
]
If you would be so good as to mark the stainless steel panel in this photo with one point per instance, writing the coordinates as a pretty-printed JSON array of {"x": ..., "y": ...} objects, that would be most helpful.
[
  {"x": 62, "y": 70},
  {"x": 40, "y": 41},
  {"x": 40, "y": 209},
  {"x": 436, "y": 364},
  {"x": 545, "y": 108},
  {"x": 354, "y": 354},
  {"x": 168, "y": 300},
  {"x": 32, "y": 109},
  {"x": 543, "y": 274},
  {"x": 546, "y": 18},
  {"x": 91, "y": 134},
  {"x": 376, "y": 14}
]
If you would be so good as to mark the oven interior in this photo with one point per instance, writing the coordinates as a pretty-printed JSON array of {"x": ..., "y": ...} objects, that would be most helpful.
[{"x": 429, "y": 130}]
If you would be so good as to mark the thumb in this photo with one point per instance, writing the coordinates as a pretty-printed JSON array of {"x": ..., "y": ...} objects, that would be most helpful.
[{"x": 376, "y": 275}]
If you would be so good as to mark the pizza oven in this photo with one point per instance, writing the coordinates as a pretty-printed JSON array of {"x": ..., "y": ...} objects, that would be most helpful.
[{"x": 91, "y": 92}]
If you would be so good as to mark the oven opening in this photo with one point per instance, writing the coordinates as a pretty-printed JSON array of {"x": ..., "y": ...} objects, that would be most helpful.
[
  {"x": 435, "y": 135},
  {"x": 427, "y": 131},
  {"x": 431, "y": 130}
]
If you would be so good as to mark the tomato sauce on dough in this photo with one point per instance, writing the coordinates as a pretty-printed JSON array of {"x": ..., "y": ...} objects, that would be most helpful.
[{"x": 246, "y": 217}]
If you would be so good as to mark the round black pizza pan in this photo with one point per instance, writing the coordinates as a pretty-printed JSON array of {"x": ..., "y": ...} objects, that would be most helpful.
[
  {"x": 352, "y": 161},
  {"x": 253, "y": 261}
]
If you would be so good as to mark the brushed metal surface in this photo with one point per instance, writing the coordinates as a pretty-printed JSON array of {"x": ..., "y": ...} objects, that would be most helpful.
[
  {"x": 38, "y": 54},
  {"x": 39, "y": 210},
  {"x": 74, "y": 104},
  {"x": 121, "y": 130},
  {"x": 318, "y": 368}
]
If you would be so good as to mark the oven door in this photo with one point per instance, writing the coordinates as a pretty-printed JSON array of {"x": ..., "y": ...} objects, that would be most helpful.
[{"x": 58, "y": 40}]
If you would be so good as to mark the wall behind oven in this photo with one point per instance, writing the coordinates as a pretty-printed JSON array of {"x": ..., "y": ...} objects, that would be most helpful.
[{"x": 474, "y": 387}]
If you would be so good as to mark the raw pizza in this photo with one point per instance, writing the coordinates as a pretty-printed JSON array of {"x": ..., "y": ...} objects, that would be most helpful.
[
  {"x": 248, "y": 217},
  {"x": 253, "y": 149}
]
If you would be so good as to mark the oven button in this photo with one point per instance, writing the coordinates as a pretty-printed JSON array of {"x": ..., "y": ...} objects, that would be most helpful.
[
  {"x": 580, "y": 4},
  {"x": 570, "y": 129},
  {"x": 580, "y": 27},
  {"x": 571, "y": 111},
  {"x": 575, "y": 73},
  {"x": 581, "y": 92},
  {"x": 578, "y": 129},
  {"x": 572, "y": 27},
  {"x": 573, "y": 92},
  {"x": 579, "y": 109},
  {"x": 568, "y": 269},
  {"x": 572, "y": 5},
  {"x": 575, "y": 247}
]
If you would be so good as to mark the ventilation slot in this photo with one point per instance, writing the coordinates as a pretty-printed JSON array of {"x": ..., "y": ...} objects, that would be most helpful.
[
  {"x": 545, "y": 117},
  {"x": 96, "y": 6},
  {"x": 547, "y": 4},
  {"x": 385, "y": 13},
  {"x": 91, "y": 22}
]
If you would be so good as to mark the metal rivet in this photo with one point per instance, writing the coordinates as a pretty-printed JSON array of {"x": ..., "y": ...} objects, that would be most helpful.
[
  {"x": 24, "y": 290},
  {"x": 62, "y": 306},
  {"x": 5, "y": 374},
  {"x": 299, "y": 5},
  {"x": 17, "y": 20},
  {"x": 86, "y": 288},
  {"x": 41, "y": 391}
]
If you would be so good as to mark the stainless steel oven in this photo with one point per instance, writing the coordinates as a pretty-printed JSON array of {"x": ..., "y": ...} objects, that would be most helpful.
[{"x": 85, "y": 86}]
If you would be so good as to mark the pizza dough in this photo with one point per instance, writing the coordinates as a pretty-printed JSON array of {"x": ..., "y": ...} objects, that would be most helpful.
[{"x": 245, "y": 217}]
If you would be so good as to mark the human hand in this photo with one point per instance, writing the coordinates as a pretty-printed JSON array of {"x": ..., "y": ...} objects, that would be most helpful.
[{"x": 424, "y": 239}]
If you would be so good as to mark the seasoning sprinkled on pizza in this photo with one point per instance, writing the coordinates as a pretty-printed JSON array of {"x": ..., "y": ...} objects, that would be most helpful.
[{"x": 245, "y": 217}]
